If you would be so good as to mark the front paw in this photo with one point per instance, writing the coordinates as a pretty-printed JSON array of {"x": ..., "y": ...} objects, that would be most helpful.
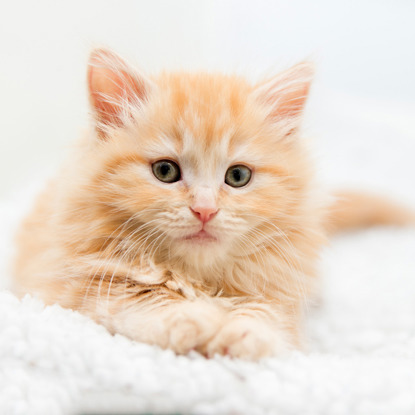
[
  {"x": 247, "y": 338},
  {"x": 192, "y": 326}
]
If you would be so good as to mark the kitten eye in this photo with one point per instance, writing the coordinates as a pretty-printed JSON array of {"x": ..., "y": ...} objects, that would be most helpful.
[
  {"x": 238, "y": 176},
  {"x": 166, "y": 171}
]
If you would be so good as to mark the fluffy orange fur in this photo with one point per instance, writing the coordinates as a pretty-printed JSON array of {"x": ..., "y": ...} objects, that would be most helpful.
[{"x": 109, "y": 239}]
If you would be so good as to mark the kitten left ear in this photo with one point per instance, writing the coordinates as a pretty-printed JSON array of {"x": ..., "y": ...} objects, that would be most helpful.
[
  {"x": 114, "y": 89},
  {"x": 285, "y": 95}
]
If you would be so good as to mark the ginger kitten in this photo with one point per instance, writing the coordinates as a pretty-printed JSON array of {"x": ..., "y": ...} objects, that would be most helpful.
[{"x": 187, "y": 217}]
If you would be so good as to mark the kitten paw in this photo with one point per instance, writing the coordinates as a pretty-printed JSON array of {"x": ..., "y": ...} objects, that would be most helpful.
[
  {"x": 246, "y": 338},
  {"x": 192, "y": 327}
]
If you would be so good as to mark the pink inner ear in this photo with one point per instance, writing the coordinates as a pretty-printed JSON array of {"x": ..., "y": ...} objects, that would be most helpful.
[
  {"x": 111, "y": 86},
  {"x": 291, "y": 101},
  {"x": 287, "y": 93}
]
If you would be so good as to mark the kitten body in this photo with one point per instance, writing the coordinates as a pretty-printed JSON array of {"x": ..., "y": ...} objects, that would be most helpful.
[{"x": 108, "y": 238}]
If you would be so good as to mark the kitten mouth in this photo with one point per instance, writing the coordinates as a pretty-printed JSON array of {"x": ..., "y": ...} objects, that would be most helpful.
[{"x": 200, "y": 237}]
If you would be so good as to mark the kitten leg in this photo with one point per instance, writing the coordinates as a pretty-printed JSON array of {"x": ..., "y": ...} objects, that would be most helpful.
[
  {"x": 253, "y": 331},
  {"x": 165, "y": 318}
]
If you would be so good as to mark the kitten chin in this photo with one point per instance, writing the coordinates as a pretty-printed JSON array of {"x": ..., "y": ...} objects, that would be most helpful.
[{"x": 187, "y": 216}]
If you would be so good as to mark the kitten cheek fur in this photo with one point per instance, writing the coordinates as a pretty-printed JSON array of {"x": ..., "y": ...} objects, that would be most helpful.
[{"x": 100, "y": 237}]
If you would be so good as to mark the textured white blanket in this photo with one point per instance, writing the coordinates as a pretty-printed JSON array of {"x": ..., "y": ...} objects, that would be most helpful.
[{"x": 361, "y": 353}]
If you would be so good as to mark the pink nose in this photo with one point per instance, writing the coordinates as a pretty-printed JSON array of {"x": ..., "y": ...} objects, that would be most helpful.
[{"x": 204, "y": 214}]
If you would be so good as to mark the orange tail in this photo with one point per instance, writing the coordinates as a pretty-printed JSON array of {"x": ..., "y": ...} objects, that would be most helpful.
[{"x": 353, "y": 210}]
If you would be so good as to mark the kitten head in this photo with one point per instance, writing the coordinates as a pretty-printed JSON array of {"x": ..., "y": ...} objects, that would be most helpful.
[{"x": 204, "y": 167}]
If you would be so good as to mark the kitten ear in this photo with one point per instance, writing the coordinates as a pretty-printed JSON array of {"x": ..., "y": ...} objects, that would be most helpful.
[
  {"x": 285, "y": 94},
  {"x": 114, "y": 89}
]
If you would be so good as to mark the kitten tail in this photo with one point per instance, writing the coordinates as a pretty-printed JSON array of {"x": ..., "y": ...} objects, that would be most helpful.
[{"x": 353, "y": 210}]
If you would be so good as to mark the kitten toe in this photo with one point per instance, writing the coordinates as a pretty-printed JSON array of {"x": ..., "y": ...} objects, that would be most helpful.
[
  {"x": 248, "y": 339},
  {"x": 193, "y": 327}
]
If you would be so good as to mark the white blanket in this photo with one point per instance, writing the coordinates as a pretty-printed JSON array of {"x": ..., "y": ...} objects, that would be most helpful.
[{"x": 361, "y": 353}]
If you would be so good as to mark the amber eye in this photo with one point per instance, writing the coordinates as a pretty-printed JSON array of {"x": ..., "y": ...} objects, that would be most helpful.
[
  {"x": 238, "y": 176},
  {"x": 166, "y": 171}
]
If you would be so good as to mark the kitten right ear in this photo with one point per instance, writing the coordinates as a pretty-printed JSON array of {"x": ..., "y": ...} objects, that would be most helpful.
[{"x": 114, "y": 89}]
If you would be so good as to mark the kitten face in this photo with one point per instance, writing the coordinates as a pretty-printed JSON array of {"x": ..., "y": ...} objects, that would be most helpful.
[{"x": 204, "y": 125}]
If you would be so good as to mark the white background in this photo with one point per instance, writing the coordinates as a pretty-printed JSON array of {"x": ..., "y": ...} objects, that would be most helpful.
[{"x": 364, "y": 51}]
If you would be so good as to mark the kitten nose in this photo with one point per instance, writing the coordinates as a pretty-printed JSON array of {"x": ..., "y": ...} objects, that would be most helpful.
[{"x": 204, "y": 214}]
